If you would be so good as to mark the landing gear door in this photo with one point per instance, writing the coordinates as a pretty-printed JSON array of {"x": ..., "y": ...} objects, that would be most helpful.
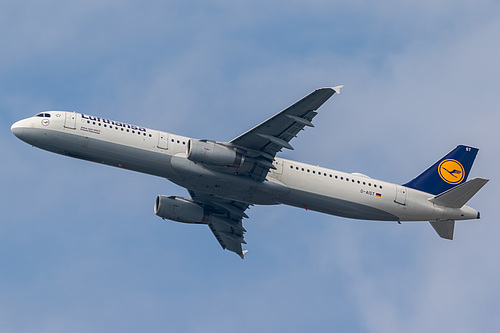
[
  {"x": 400, "y": 195},
  {"x": 70, "y": 120},
  {"x": 162, "y": 140}
]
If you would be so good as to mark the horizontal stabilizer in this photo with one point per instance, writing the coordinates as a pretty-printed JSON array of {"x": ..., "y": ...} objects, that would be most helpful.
[
  {"x": 444, "y": 228},
  {"x": 460, "y": 194}
]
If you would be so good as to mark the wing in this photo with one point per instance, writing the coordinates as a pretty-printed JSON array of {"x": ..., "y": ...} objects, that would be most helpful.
[
  {"x": 225, "y": 220},
  {"x": 265, "y": 140},
  {"x": 259, "y": 147}
]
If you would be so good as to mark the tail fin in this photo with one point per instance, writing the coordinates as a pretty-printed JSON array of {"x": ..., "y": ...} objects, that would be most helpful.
[{"x": 448, "y": 172}]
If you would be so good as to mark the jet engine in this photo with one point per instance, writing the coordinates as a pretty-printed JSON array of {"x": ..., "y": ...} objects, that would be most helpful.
[
  {"x": 179, "y": 209},
  {"x": 211, "y": 152}
]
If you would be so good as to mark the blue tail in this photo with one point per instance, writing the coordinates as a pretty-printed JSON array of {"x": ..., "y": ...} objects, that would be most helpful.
[{"x": 446, "y": 173}]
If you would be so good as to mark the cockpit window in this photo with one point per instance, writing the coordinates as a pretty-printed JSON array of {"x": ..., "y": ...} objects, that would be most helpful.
[
  {"x": 39, "y": 115},
  {"x": 47, "y": 115}
]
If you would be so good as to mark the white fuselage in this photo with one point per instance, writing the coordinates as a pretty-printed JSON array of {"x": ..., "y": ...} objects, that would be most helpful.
[{"x": 291, "y": 183}]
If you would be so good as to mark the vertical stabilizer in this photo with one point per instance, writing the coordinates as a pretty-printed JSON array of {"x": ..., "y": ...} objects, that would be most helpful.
[{"x": 448, "y": 172}]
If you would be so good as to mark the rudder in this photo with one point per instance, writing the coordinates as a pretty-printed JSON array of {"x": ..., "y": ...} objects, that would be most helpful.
[{"x": 450, "y": 171}]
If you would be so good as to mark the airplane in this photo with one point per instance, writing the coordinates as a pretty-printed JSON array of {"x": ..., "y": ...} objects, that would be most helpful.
[{"x": 225, "y": 178}]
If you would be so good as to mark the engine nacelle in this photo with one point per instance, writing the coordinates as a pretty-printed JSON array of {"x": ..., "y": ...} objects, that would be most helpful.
[
  {"x": 211, "y": 152},
  {"x": 179, "y": 209}
]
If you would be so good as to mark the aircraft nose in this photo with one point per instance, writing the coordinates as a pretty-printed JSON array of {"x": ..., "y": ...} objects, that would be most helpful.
[{"x": 17, "y": 129}]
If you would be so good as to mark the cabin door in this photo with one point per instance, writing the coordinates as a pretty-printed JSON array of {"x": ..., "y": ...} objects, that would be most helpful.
[
  {"x": 70, "y": 120},
  {"x": 400, "y": 195}
]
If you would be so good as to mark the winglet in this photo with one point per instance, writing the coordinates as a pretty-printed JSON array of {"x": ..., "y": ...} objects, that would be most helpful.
[
  {"x": 337, "y": 88},
  {"x": 242, "y": 255}
]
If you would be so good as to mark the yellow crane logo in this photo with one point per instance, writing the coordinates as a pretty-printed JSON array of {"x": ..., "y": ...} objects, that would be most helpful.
[{"x": 451, "y": 171}]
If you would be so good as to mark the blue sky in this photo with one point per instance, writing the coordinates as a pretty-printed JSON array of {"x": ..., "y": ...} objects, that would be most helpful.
[{"x": 80, "y": 247}]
